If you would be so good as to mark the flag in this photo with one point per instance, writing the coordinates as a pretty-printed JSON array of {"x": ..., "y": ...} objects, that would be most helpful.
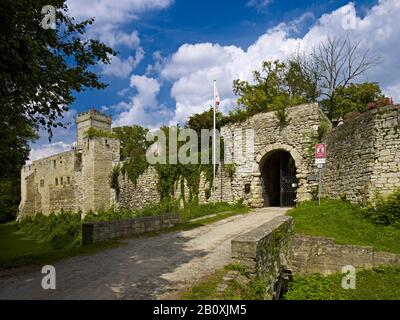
[{"x": 217, "y": 99}]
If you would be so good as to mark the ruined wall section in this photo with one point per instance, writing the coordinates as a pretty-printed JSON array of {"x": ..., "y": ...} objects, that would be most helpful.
[
  {"x": 48, "y": 185},
  {"x": 244, "y": 182},
  {"x": 141, "y": 194},
  {"x": 363, "y": 156}
]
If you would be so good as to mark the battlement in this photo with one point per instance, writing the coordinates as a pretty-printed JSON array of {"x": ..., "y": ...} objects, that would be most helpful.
[
  {"x": 91, "y": 119},
  {"x": 95, "y": 115}
]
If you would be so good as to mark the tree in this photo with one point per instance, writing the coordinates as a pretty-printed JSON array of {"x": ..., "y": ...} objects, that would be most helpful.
[
  {"x": 41, "y": 69},
  {"x": 14, "y": 145},
  {"x": 277, "y": 86},
  {"x": 354, "y": 98},
  {"x": 133, "y": 149},
  {"x": 338, "y": 62}
]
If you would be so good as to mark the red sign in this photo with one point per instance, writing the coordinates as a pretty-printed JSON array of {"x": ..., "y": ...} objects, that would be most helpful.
[{"x": 320, "y": 151}]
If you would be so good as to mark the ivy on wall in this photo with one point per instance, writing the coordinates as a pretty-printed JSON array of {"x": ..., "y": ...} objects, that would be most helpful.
[
  {"x": 183, "y": 176},
  {"x": 171, "y": 177}
]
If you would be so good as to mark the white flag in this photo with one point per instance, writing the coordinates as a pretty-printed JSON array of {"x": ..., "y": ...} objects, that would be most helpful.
[{"x": 217, "y": 99}]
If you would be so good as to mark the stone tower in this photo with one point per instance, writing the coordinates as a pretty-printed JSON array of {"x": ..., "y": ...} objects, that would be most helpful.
[
  {"x": 91, "y": 119},
  {"x": 99, "y": 153}
]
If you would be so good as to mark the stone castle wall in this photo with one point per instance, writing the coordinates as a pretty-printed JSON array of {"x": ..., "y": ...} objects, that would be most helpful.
[
  {"x": 269, "y": 136},
  {"x": 76, "y": 180},
  {"x": 364, "y": 156},
  {"x": 294, "y": 137},
  {"x": 141, "y": 194},
  {"x": 49, "y": 184}
]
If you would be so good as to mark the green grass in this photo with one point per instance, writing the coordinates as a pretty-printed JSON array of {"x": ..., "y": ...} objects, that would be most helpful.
[
  {"x": 18, "y": 250},
  {"x": 207, "y": 288},
  {"x": 345, "y": 223},
  {"x": 377, "y": 284}
]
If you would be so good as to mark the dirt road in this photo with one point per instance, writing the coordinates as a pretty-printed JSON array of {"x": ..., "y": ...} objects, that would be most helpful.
[{"x": 142, "y": 268}]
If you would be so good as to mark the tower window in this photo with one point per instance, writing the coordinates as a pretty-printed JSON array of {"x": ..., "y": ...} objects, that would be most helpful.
[
  {"x": 68, "y": 180},
  {"x": 61, "y": 181},
  {"x": 56, "y": 181},
  {"x": 54, "y": 163},
  {"x": 41, "y": 183}
]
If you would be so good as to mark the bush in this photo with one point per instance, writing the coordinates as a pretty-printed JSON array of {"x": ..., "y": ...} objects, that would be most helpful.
[
  {"x": 9, "y": 199},
  {"x": 111, "y": 214},
  {"x": 313, "y": 287},
  {"x": 62, "y": 231},
  {"x": 385, "y": 210}
]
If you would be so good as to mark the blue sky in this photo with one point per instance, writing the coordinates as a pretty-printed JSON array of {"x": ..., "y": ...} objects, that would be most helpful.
[{"x": 171, "y": 50}]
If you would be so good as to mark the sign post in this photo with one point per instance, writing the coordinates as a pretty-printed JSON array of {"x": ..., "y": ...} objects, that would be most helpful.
[{"x": 320, "y": 159}]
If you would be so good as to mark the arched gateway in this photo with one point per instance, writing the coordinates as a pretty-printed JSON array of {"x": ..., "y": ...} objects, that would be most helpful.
[{"x": 276, "y": 176}]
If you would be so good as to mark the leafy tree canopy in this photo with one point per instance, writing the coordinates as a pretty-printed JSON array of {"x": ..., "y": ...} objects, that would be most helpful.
[
  {"x": 41, "y": 68},
  {"x": 133, "y": 150},
  {"x": 276, "y": 86},
  {"x": 40, "y": 71},
  {"x": 354, "y": 98}
]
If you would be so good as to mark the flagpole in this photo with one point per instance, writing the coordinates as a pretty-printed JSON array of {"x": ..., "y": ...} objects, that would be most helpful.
[{"x": 214, "y": 138}]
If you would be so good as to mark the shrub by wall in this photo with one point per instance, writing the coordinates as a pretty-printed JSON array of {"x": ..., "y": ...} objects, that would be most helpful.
[{"x": 386, "y": 210}]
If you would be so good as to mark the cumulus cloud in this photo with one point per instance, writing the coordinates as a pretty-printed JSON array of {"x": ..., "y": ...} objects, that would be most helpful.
[
  {"x": 120, "y": 11},
  {"x": 122, "y": 68},
  {"x": 193, "y": 67},
  {"x": 260, "y": 5},
  {"x": 143, "y": 108},
  {"x": 48, "y": 149},
  {"x": 111, "y": 18}
]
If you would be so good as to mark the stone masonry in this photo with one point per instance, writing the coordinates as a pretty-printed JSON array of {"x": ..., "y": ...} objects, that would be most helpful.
[
  {"x": 308, "y": 255},
  {"x": 364, "y": 156},
  {"x": 75, "y": 180}
]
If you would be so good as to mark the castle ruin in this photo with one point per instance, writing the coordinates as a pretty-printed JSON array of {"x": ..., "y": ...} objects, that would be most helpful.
[
  {"x": 76, "y": 180},
  {"x": 363, "y": 158}
]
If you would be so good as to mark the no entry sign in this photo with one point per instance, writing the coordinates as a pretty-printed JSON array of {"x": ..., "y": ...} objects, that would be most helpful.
[{"x": 320, "y": 153}]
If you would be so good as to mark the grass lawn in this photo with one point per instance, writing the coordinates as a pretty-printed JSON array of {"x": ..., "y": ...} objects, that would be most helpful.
[
  {"x": 17, "y": 250},
  {"x": 377, "y": 284},
  {"x": 207, "y": 289},
  {"x": 345, "y": 223}
]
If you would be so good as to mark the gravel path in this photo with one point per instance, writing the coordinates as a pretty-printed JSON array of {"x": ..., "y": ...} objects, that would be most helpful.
[{"x": 142, "y": 268}]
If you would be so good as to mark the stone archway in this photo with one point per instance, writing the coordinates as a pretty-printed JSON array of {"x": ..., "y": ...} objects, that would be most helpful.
[{"x": 257, "y": 198}]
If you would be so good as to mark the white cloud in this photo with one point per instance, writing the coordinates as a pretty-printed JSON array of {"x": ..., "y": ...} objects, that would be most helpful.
[
  {"x": 116, "y": 38},
  {"x": 122, "y": 68},
  {"x": 116, "y": 11},
  {"x": 111, "y": 18},
  {"x": 193, "y": 67},
  {"x": 260, "y": 5},
  {"x": 143, "y": 108},
  {"x": 48, "y": 149}
]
